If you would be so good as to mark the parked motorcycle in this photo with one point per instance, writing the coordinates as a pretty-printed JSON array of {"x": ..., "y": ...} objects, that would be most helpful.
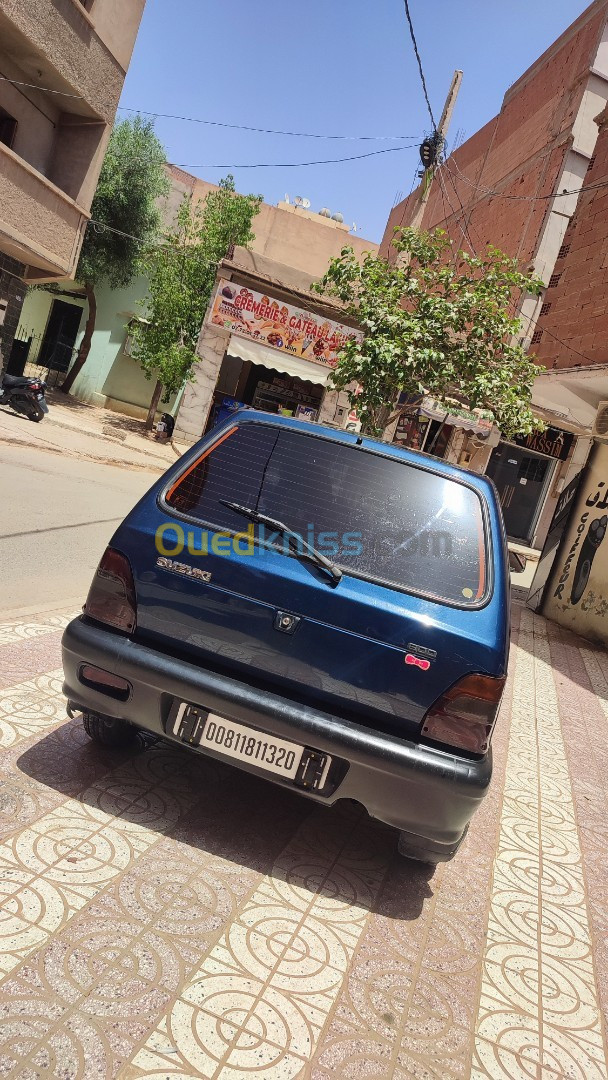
[{"x": 25, "y": 396}]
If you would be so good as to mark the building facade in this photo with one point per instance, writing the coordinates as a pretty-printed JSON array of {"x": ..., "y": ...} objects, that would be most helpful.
[
  {"x": 295, "y": 243},
  {"x": 505, "y": 186},
  {"x": 267, "y": 341},
  {"x": 62, "y": 65}
]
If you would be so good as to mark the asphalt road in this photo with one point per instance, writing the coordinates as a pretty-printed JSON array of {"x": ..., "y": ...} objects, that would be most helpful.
[{"x": 57, "y": 515}]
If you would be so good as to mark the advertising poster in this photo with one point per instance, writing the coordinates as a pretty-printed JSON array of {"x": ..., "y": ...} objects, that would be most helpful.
[
  {"x": 577, "y": 596},
  {"x": 292, "y": 330}
]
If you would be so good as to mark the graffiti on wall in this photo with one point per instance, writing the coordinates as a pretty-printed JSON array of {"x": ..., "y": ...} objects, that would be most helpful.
[{"x": 578, "y": 594}]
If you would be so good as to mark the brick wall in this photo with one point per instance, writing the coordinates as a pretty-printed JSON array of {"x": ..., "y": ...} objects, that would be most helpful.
[
  {"x": 520, "y": 152},
  {"x": 575, "y": 307},
  {"x": 12, "y": 290}
]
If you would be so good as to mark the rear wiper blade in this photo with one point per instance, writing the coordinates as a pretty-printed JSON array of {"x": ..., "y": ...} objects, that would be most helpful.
[{"x": 280, "y": 526}]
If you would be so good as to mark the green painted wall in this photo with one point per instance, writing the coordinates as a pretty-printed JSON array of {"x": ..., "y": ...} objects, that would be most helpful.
[
  {"x": 34, "y": 317},
  {"x": 110, "y": 377}
]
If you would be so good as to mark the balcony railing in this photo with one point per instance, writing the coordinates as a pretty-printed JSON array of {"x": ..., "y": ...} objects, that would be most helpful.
[{"x": 40, "y": 225}]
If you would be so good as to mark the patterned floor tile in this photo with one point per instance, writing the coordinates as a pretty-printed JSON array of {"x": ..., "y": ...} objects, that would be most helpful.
[
  {"x": 538, "y": 965},
  {"x": 263, "y": 995},
  {"x": 30, "y": 708},
  {"x": 163, "y": 916},
  {"x": 45, "y": 624}
]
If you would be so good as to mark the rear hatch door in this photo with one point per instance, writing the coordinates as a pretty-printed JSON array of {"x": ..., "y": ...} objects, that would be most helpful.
[{"x": 406, "y": 620}]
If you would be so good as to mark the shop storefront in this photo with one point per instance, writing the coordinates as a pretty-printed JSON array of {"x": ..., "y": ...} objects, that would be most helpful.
[
  {"x": 526, "y": 471},
  {"x": 426, "y": 426},
  {"x": 258, "y": 377},
  {"x": 262, "y": 350}
]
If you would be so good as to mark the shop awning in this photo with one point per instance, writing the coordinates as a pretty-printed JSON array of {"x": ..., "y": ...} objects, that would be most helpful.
[
  {"x": 277, "y": 360},
  {"x": 469, "y": 423}
]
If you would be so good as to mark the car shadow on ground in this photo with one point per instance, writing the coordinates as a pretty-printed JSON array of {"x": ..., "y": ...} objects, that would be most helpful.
[{"x": 336, "y": 852}]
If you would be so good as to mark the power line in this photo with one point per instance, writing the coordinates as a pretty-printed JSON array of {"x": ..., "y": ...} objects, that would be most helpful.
[
  {"x": 526, "y": 198},
  {"x": 267, "y": 131},
  {"x": 465, "y": 226},
  {"x": 301, "y": 164},
  {"x": 217, "y": 123},
  {"x": 45, "y": 89},
  {"x": 422, "y": 78},
  {"x": 463, "y": 229}
]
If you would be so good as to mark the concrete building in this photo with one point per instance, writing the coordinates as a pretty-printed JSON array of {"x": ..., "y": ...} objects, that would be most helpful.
[
  {"x": 571, "y": 335},
  {"x": 267, "y": 340},
  {"x": 62, "y": 67},
  {"x": 292, "y": 248},
  {"x": 571, "y": 343},
  {"x": 505, "y": 186}
]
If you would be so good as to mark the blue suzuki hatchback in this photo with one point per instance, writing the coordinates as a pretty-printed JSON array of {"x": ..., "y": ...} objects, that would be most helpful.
[{"x": 321, "y": 609}]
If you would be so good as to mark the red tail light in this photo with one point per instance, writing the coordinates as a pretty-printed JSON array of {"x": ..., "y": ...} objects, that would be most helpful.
[
  {"x": 111, "y": 598},
  {"x": 465, "y": 715}
]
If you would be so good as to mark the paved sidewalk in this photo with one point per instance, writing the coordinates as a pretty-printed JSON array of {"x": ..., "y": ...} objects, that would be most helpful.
[
  {"x": 168, "y": 917},
  {"x": 75, "y": 429}
]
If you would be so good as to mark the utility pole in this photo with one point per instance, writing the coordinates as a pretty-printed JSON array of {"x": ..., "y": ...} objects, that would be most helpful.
[{"x": 434, "y": 146}]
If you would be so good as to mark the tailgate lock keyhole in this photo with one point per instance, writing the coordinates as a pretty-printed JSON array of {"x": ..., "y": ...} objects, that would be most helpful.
[{"x": 286, "y": 623}]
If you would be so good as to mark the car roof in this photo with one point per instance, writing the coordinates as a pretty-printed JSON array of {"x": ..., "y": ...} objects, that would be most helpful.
[{"x": 483, "y": 484}]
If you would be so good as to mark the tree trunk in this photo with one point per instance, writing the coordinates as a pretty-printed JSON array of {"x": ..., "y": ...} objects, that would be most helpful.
[
  {"x": 429, "y": 449},
  {"x": 158, "y": 389},
  {"x": 85, "y": 344}
]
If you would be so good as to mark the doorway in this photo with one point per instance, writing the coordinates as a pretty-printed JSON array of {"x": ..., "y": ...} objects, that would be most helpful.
[
  {"x": 57, "y": 345},
  {"x": 522, "y": 479}
]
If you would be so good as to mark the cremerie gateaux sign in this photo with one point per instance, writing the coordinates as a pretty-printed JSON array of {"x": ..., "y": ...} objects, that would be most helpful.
[{"x": 289, "y": 329}]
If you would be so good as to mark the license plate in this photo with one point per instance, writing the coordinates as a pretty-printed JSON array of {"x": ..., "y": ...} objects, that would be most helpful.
[
  {"x": 39, "y": 396},
  {"x": 309, "y": 768}
]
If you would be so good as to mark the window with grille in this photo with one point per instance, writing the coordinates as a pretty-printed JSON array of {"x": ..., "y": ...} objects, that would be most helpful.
[
  {"x": 545, "y": 309},
  {"x": 554, "y": 280},
  {"x": 536, "y": 336},
  {"x": 591, "y": 163},
  {"x": 563, "y": 251},
  {"x": 533, "y": 469}
]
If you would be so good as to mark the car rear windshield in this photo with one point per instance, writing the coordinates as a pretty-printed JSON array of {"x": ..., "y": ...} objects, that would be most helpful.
[{"x": 374, "y": 516}]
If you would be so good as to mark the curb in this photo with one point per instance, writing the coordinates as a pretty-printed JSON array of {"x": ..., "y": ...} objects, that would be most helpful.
[
  {"x": 154, "y": 466},
  {"x": 53, "y": 608},
  {"x": 100, "y": 435}
]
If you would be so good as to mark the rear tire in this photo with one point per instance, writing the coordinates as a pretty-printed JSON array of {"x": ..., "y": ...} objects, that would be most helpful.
[
  {"x": 108, "y": 731},
  {"x": 419, "y": 855},
  {"x": 416, "y": 848}
]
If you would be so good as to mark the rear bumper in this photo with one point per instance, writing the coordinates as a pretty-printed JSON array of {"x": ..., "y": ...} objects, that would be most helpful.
[{"x": 426, "y": 793}]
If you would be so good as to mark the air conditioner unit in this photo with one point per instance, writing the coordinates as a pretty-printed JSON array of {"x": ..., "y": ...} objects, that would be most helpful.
[{"x": 600, "y": 424}]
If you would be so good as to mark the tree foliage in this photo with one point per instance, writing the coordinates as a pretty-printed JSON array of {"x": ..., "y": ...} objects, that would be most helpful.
[
  {"x": 437, "y": 322},
  {"x": 181, "y": 273},
  {"x": 124, "y": 213}
]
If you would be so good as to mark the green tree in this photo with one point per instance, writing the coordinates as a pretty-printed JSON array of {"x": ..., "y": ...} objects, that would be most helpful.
[
  {"x": 437, "y": 322},
  {"x": 124, "y": 213},
  {"x": 181, "y": 273}
]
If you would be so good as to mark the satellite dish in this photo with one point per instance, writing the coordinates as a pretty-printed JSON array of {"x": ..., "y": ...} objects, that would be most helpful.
[
  {"x": 305, "y": 204},
  {"x": 337, "y": 217},
  {"x": 298, "y": 201},
  {"x": 324, "y": 212}
]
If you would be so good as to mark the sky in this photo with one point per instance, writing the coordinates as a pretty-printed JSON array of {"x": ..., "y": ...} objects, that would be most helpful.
[{"x": 327, "y": 67}]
